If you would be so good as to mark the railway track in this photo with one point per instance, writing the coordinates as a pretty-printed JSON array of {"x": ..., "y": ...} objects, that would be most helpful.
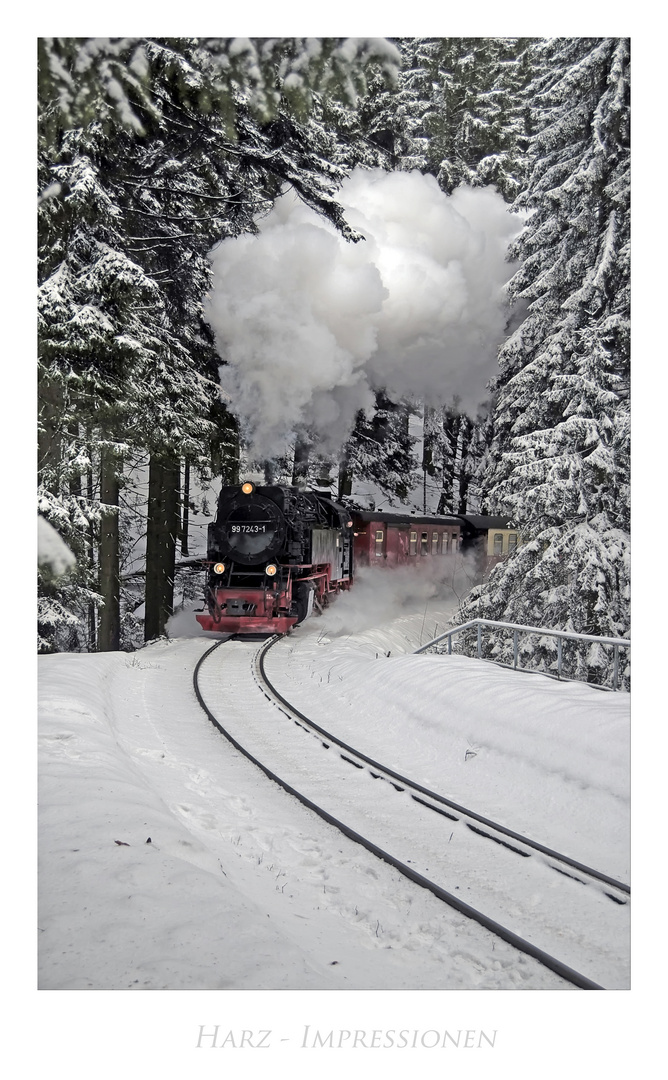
[{"x": 363, "y": 799}]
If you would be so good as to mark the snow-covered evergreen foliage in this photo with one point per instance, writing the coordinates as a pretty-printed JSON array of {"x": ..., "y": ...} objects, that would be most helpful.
[
  {"x": 66, "y": 587},
  {"x": 112, "y": 79},
  {"x": 94, "y": 337},
  {"x": 381, "y": 450},
  {"x": 560, "y": 458},
  {"x": 448, "y": 433},
  {"x": 478, "y": 131},
  {"x": 151, "y": 150},
  {"x": 458, "y": 111}
]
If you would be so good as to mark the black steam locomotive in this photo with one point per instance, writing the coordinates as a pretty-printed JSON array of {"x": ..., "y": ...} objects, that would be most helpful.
[{"x": 274, "y": 554}]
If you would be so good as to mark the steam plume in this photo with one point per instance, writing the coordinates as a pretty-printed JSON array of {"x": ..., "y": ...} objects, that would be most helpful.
[{"x": 310, "y": 325}]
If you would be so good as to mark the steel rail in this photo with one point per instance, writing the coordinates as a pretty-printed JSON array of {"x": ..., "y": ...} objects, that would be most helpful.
[
  {"x": 575, "y": 978},
  {"x": 488, "y": 822}
]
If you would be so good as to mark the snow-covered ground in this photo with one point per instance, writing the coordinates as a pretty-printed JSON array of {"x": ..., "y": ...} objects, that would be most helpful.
[{"x": 167, "y": 861}]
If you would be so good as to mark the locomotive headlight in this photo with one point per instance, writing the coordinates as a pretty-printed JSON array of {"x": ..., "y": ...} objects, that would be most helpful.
[
  {"x": 248, "y": 488},
  {"x": 219, "y": 568},
  {"x": 270, "y": 570}
]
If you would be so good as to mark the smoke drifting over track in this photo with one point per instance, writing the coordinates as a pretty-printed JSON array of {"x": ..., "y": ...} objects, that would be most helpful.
[
  {"x": 309, "y": 325},
  {"x": 380, "y": 595}
]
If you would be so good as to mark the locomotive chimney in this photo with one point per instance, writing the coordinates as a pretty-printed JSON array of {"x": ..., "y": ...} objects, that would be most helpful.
[{"x": 269, "y": 472}]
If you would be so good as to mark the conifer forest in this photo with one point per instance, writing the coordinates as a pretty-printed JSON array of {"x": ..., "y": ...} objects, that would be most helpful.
[{"x": 167, "y": 169}]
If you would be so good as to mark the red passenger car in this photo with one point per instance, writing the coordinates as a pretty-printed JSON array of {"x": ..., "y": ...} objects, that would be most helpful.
[{"x": 385, "y": 539}]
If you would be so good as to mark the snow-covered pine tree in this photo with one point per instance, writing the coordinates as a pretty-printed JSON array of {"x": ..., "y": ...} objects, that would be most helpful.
[
  {"x": 157, "y": 191},
  {"x": 476, "y": 463},
  {"x": 381, "y": 451},
  {"x": 252, "y": 169},
  {"x": 458, "y": 111},
  {"x": 110, "y": 80},
  {"x": 560, "y": 460},
  {"x": 448, "y": 433},
  {"x": 180, "y": 142},
  {"x": 175, "y": 190},
  {"x": 93, "y": 336},
  {"x": 477, "y": 129},
  {"x": 411, "y": 110}
]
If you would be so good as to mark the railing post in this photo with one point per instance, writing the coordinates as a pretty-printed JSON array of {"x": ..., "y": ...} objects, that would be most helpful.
[{"x": 517, "y": 630}]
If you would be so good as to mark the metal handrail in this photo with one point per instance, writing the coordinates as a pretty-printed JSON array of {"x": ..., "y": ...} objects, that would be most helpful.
[{"x": 617, "y": 643}]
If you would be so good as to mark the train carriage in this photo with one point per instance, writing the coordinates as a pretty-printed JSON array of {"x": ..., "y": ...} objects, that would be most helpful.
[
  {"x": 490, "y": 538},
  {"x": 402, "y": 540},
  {"x": 277, "y": 553}
]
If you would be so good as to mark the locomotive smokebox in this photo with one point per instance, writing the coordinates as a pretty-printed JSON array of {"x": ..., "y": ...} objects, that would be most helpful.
[{"x": 250, "y": 528}]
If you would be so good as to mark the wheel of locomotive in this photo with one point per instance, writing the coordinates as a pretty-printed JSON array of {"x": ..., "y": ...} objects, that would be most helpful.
[{"x": 303, "y": 600}]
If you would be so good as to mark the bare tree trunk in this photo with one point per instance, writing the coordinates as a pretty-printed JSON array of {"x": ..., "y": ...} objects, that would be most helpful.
[
  {"x": 300, "y": 466},
  {"x": 162, "y": 529},
  {"x": 186, "y": 508},
  {"x": 345, "y": 479},
  {"x": 92, "y": 612},
  {"x": 466, "y": 432},
  {"x": 75, "y": 481},
  {"x": 49, "y": 436},
  {"x": 110, "y": 616}
]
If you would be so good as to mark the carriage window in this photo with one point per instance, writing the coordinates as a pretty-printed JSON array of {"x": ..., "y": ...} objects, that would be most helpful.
[
  {"x": 434, "y": 543},
  {"x": 446, "y": 543},
  {"x": 512, "y": 542},
  {"x": 412, "y": 550},
  {"x": 424, "y": 540},
  {"x": 379, "y": 541},
  {"x": 498, "y": 543}
]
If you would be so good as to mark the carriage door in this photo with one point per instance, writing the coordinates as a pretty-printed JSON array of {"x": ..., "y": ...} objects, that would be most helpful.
[{"x": 379, "y": 545}]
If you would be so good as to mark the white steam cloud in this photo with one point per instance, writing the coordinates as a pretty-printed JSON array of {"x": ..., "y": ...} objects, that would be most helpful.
[
  {"x": 310, "y": 325},
  {"x": 380, "y": 595}
]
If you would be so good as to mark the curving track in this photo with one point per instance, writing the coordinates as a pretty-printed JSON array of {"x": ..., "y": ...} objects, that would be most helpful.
[{"x": 397, "y": 818}]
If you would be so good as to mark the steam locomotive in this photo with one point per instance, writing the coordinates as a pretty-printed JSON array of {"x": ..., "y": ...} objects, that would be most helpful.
[
  {"x": 277, "y": 554},
  {"x": 274, "y": 554}
]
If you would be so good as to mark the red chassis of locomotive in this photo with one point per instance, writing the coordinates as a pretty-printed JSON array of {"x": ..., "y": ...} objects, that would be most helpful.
[{"x": 277, "y": 554}]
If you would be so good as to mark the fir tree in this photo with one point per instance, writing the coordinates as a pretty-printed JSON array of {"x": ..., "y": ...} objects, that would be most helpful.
[
  {"x": 478, "y": 121},
  {"x": 93, "y": 337},
  {"x": 381, "y": 451},
  {"x": 151, "y": 150},
  {"x": 560, "y": 461},
  {"x": 110, "y": 80},
  {"x": 459, "y": 111},
  {"x": 448, "y": 433}
]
